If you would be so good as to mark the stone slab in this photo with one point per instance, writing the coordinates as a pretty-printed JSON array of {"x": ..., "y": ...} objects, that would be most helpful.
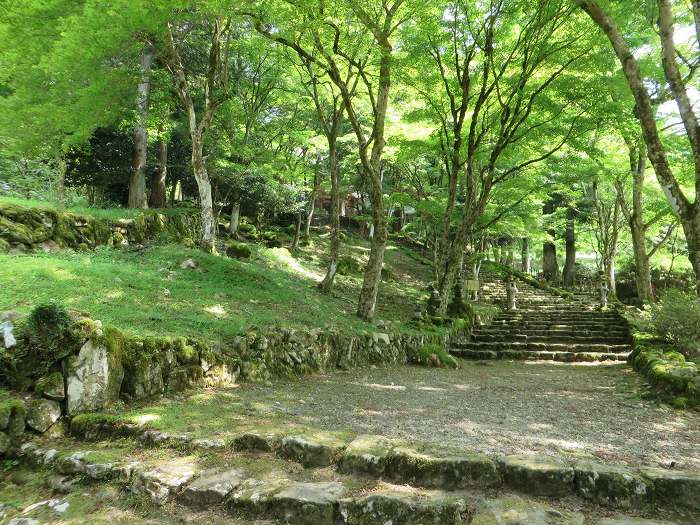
[
  {"x": 537, "y": 475},
  {"x": 515, "y": 511}
]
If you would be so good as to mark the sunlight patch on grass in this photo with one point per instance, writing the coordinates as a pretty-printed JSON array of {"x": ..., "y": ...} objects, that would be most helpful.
[
  {"x": 377, "y": 386},
  {"x": 216, "y": 310},
  {"x": 143, "y": 419}
]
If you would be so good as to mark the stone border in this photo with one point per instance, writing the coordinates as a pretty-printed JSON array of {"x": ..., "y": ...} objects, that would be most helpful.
[
  {"x": 23, "y": 229},
  {"x": 429, "y": 467}
]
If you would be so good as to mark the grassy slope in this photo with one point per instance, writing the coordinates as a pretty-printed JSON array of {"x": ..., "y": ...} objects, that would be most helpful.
[
  {"x": 107, "y": 213},
  {"x": 146, "y": 292}
]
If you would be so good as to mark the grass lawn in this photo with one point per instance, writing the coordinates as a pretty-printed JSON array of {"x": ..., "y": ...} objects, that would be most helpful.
[{"x": 144, "y": 291}]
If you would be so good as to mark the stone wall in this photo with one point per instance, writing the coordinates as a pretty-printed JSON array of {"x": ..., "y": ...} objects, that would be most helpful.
[
  {"x": 107, "y": 367},
  {"x": 23, "y": 229}
]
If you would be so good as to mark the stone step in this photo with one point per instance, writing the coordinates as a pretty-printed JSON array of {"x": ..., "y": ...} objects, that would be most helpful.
[
  {"x": 603, "y": 328},
  {"x": 413, "y": 465},
  {"x": 549, "y": 338},
  {"x": 544, "y": 347},
  {"x": 534, "y": 355},
  {"x": 527, "y": 330}
]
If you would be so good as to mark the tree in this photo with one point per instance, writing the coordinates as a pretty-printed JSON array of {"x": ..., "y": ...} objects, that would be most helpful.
[
  {"x": 317, "y": 37},
  {"x": 492, "y": 67},
  {"x": 687, "y": 210}
]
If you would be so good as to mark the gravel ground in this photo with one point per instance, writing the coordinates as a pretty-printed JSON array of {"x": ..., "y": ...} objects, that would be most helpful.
[{"x": 497, "y": 408}]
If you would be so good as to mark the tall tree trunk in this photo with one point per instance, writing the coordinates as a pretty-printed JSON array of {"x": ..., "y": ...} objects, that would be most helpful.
[
  {"x": 691, "y": 228},
  {"x": 208, "y": 240},
  {"x": 137, "y": 183},
  {"x": 297, "y": 232},
  {"x": 311, "y": 206},
  {"x": 327, "y": 283},
  {"x": 641, "y": 262},
  {"x": 525, "y": 256},
  {"x": 570, "y": 238},
  {"x": 235, "y": 218},
  {"x": 609, "y": 264},
  {"x": 159, "y": 176},
  {"x": 550, "y": 265}
]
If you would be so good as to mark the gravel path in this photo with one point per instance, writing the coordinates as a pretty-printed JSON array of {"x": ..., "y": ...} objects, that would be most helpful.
[{"x": 499, "y": 407}]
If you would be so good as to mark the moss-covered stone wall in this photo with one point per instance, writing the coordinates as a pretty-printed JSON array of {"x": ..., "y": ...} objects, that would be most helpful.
[{"x": 23, "y": 229}]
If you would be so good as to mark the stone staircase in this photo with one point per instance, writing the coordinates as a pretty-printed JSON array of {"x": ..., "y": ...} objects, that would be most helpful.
[
  {"x": 546, "y": 327},
  {"x": 322, "y": 479}
]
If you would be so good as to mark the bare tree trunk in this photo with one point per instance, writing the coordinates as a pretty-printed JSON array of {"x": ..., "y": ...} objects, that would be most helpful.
[
  {"x": 569, "y": 275},
  {"x": 327, "y": 283},
  {"x": 159, "y": 176},
  {"x": 235, "y": 218},
  {"x": 297, "y": 232},
  {"x": 643, "y": 272},
  {"x": 609, "y": 264},
  {"x": 137, "y": 183},
  {"x": 550, "y": 265},
  {"x": 525, "y": 256},
  {"x": 208, "y": 240},
  {"x": 311, "y": 207}
]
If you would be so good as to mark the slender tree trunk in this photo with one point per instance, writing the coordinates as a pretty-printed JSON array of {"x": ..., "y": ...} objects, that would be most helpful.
[
  {"x": 641, "y": 261},
  {"x": 570, "y": 238},
  {"x": 159, "y": 176},
  {"x": 309, "y": 216},
  {"x": 550, "y": 265},
  {"x": 173, "y": 192},
  {"x": 609, "y": 264},
  {"x": 327, "y": 283},
  {"x": 297, "y": 233},
  {"x": 137, "y": 183},
  {"x": 235, "y": 218},
  {"x": 208, "y": 240},
  {"x": 691, "y": 228},
  {"x": 525, "y": 256}
]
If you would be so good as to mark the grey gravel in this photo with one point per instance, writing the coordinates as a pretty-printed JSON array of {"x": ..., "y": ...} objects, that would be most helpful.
[{"x": 497, "y": 408}]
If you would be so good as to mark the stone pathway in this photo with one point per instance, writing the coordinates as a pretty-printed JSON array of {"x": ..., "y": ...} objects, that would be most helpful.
[{"x": 497, "y": 407}]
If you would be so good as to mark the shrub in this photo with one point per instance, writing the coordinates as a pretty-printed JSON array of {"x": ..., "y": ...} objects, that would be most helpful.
[
  {"x": 247, "y": 229},
  {"x": 676, "y": 317},
  {"x": 45, "y": 338}
]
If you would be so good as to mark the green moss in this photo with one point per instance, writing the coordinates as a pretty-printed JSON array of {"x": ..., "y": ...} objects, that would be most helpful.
[
  {"x": 51, "y": 383},
  {"x": 433, "y": 355},
  {"x": 81, "y": 424},
  {"x": 238, "y": 250}
]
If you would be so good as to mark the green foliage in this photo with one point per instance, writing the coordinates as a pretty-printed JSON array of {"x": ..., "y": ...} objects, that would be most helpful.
[
  {"x": 676, "y": 318},
  {"x": 44, "y": 338}
]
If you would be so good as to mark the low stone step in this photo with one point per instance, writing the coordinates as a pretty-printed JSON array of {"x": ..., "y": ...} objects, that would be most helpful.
[
  {"x": 562, "y": 338},
  {"x": 532, "y": 355},
  {"x": 418, "y": 468},
  {"x": 515, "y": 329},
  {"x": 544, "y": 347}
]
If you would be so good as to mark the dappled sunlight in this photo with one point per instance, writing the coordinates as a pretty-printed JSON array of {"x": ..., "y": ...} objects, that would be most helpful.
[
  {"x": 216, "y": 310},
  {"x": 382, "y": 387},
  {"x": 282, "y": 258},
  {"x": 144, "y": 419}
]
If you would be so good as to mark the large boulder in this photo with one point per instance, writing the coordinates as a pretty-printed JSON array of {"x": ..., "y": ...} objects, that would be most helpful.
[
  {"x": 94, "y": 377},
  {"x": 42, "y": 414}
]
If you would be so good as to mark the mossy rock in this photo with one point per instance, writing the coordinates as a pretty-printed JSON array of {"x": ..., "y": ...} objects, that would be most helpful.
[
  {"x": 269, "y": 235},
  {"x": 248, "y": 230},
  {"x": 14, "y": 232},
  {"x": 12, "y": 414},
  {"x": 433, "y": 356},
  {"x": 238, "y": 250}
]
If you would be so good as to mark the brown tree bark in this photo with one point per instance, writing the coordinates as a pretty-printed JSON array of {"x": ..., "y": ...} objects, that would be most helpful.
[
  {"x": 525, "y": 257},
  {"x": 327, "y": 283},
  {"x": 569, "y": 273},
  {"x": 159, "y": 176},
  {"x": 235, "y": 218},
  {"x": 550, "y": 264},
  {"x": 137, "y": 182}
]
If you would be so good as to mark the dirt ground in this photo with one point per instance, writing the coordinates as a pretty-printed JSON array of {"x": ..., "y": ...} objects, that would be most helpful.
[{"x": 497, "y": 408}]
